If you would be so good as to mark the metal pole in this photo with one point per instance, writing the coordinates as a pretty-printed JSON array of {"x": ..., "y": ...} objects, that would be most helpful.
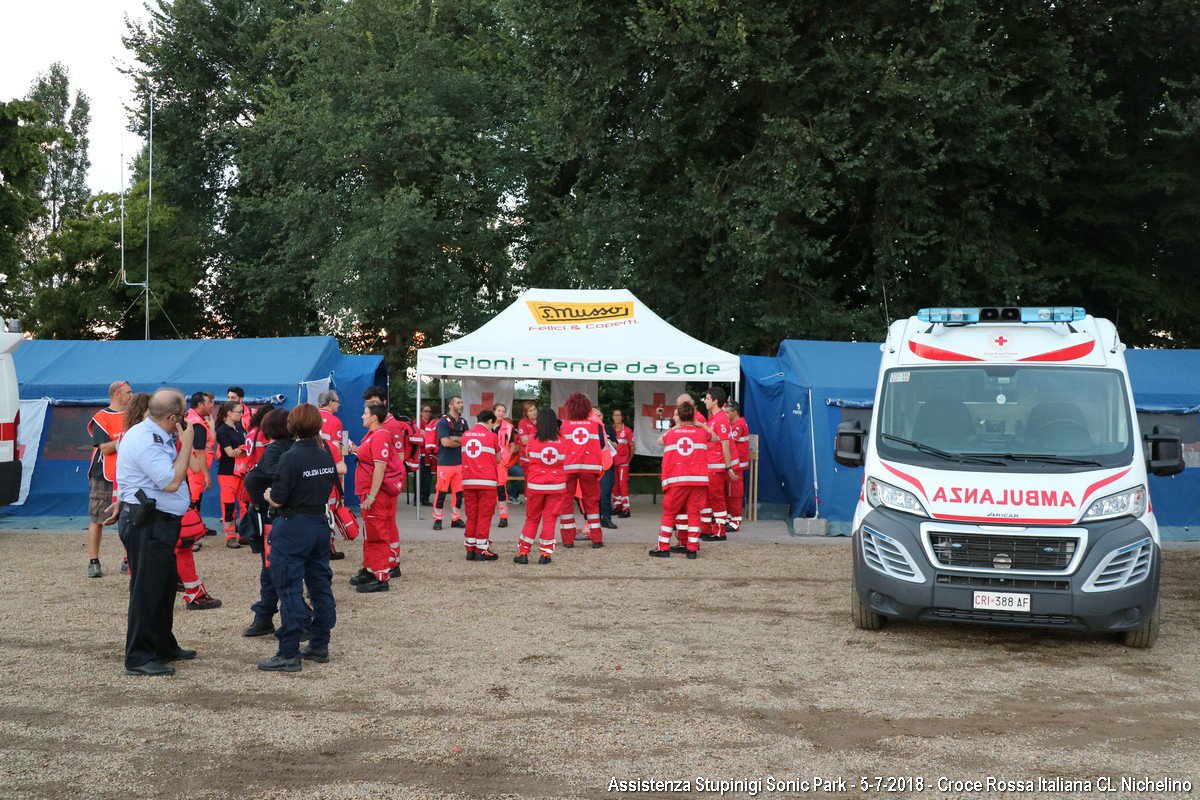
[
  {"x": 812, "y": 438},
  {"x": 421, "y": 452},
  {"x": 149, "y": 203}
]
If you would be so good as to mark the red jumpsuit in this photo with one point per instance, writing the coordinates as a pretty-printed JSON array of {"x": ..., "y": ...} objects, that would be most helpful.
[
  {"x": 715, "y": 515},
  {"x": 331, "y": 435},
  {"x": 402, "y": 436},
  {"x": 504, "y": 437},
  {"x": 582, "y": 441},
  {"x": 684, "y": 482},
  {"x": 479, "y": 449},
  {"x": 620, "y": 492},
  {"x": 545, "y": 493},
  {"x": 740, "y": 444},
  {"x": 380, "y": 519},
  {"x": 190, "y": 531},
  {"x": 681, "y": 519}
]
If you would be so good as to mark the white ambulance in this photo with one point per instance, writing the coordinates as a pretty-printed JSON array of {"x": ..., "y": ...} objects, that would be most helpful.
[
  {"x": 10, "y": 414},
  {"x": 1005, "y": 477}
]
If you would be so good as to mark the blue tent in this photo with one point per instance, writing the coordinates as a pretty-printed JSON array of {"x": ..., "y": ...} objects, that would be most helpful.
[
  {"x": 75, "y": 375},
  {"x": 797, "y": 398}
]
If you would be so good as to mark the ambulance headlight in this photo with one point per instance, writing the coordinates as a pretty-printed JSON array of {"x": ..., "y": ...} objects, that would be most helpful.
[
  {"x": 1130, "y": 503},
  {"x": 884, "y": 494}
]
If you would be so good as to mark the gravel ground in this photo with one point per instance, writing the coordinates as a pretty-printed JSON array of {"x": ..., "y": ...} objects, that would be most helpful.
[{"x": 493, "y": 680}]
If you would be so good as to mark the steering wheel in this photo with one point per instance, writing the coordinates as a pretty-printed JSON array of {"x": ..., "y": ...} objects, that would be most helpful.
[{"x": 1064, "y": 429}]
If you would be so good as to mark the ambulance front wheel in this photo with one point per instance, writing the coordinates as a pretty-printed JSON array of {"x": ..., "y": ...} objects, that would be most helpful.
[
  {"x": 864, "y": 618},
  {"x": 1147, "y": 635}
]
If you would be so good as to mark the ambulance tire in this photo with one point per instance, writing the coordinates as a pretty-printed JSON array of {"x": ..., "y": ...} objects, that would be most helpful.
[
  {"x": 864, "y": 618},
  {"x": 1147, "y": 635}
]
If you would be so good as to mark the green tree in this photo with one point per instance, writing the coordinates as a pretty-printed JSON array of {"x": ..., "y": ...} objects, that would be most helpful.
[
  {"x": 22, "y": 163},
  {"x": 64, "y": 179}
]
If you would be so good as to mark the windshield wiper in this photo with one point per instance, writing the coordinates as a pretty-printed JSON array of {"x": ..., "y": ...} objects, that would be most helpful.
[
  {"x": 1041, "y": 458},
  {"x": 976, "y": 458}
]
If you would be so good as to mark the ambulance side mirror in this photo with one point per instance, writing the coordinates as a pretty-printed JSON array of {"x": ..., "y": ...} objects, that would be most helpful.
[
  {"x": 848, "y": 444},
  {"x": 1165, "y": 451}
]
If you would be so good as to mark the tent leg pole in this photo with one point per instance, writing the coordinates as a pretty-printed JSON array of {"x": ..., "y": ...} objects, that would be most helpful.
[
  {"x": 421, "y": 454},
  {"x": 812, "y": 439}
]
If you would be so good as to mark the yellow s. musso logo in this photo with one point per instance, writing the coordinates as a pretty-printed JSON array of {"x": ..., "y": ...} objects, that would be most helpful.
[{"x": 550, "y": 313}]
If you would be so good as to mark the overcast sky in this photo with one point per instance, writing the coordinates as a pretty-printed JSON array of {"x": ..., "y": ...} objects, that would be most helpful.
[{"x": 85, "y": 35}]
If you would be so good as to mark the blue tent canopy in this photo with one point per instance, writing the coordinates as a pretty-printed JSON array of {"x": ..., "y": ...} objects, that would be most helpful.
[
  {"x": 77, "y": 373},
  {"x": 797, "y": 398}
]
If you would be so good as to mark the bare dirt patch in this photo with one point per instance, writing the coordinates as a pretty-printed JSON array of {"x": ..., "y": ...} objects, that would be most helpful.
[{"x": 493, "y": 680}]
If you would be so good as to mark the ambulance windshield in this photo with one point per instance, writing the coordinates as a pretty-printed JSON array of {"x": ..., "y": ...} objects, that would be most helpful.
[{"x": 1029, "y": 418}]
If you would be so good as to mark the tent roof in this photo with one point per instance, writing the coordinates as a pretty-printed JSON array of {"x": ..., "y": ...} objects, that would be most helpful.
[
  {"x": 559, "y": 333},
  {"x": 1163, "y": 380},
  {"x": 82, "y": 370}
]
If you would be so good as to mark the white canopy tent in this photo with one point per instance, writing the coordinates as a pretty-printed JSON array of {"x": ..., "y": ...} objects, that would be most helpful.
[{"x": 601, "y": 334}]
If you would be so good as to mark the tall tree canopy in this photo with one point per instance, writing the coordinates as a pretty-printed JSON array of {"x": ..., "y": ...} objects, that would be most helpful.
[{"x": 393, "y": 170}]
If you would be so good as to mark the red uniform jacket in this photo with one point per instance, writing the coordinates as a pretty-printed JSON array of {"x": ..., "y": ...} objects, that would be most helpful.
[
  {"x": 479, "y": 448},
  {"x": 720, "y": 433},
  {"x": 624, "y": 445},
  {"x": 544, "y": 470},
  {"x": 376, "y": 447},
  {"x": 582, "y": 440},
  {"x": 740, "y": 436},
  {"x": 685, "y": 457}
]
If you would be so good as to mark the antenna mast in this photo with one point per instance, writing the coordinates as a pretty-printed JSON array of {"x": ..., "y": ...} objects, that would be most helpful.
[{"x": 149, "y": 203}]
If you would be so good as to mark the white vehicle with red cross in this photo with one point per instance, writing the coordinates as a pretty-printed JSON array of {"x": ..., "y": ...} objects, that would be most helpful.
[
  {"x": 10, "y": 414},
  {"x": 1006, "y": 477}
]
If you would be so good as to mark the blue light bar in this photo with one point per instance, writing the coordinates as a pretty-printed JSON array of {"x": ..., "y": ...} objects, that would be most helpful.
[{"x": 1001, "y": 314}]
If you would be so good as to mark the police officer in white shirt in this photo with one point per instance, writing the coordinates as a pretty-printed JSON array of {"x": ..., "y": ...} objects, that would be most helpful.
[{"x": 152, "y": 484}]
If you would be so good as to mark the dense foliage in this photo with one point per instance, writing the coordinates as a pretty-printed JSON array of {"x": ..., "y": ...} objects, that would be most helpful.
[{"x": 395, "y": 170}]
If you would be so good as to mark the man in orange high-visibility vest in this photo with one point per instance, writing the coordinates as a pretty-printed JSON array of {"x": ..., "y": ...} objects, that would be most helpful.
[{"x": 105, "y": 428}]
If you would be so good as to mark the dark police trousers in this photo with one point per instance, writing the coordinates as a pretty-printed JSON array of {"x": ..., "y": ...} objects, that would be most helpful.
[
  {"x": 268, "y": 602},
  {"x": 299, "y": 559},
  {"x": 151, "y": 550}
]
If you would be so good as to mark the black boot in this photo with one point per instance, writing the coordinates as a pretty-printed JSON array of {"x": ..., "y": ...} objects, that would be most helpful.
[
  {"x": 543, "y": 559},
  {"x": 521, "y": 559},
  {"x": 660, "y": 553},
  {"x": 362, "y": 577},
  {"x": 258, "y": 628}
]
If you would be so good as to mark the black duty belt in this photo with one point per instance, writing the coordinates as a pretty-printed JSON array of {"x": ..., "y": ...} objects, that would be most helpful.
[{"x": 287, "y": 512}]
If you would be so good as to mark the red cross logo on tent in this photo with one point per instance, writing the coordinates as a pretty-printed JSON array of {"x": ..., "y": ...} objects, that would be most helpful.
[
  {"x": 488, "y": 401},
  {"x": 1001, "y": 341},
  {"x": 473, "y": 448},
  {"x": 549, "y": 456},
  {"x": 659, "y": 400},
  {"x": 685, "y": 446},
  {"x": 580, "y": 436}
]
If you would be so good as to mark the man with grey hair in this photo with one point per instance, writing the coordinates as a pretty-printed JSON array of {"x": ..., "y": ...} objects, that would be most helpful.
[
  {"x": 105, "y": 429},
  {"x": 152, "y": 484}
]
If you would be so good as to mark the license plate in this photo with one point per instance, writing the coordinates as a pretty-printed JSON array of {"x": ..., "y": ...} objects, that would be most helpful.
[{"x": 1001, "y": 601}]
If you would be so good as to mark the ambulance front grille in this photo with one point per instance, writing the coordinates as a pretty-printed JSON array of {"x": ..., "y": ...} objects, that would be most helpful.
[{"x": 988, "y": 551}]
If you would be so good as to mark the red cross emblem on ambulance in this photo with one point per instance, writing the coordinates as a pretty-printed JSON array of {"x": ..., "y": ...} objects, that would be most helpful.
[
  {"x": 1001, "y": 340},
  {"x": 580, "y": 436},
  {"x": 685, "y": 446},
  {"x": 473, "y": 448},
  {"x": 549, "y": 456}
]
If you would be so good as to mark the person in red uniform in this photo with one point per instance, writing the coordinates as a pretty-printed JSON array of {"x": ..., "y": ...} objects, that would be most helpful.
[
  {"x": 684, "y": 481},
  {"x": 623, "y": 438},
  {"x": 204, "y": 449},
  {"x": 505, "y": 433},
  {"x": 681, "y": 520},
  {"x": 428, "y": 450},
  {"x": 480, "y": 458},
  {"x": 231, "y": 443},
  {"x": 739, "y": 434},
  {"x": 450, "y": 428},
  {"x": 545, "y": 487},
  {"x": 402, "y": 435},
  {"x": 720, "y": 467},
  {"x": 104, "y": 428},
  {"x": 328, "y": 403},
  {"x": 583, "y": 439},
  {"x": 378, "y": 507}
]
